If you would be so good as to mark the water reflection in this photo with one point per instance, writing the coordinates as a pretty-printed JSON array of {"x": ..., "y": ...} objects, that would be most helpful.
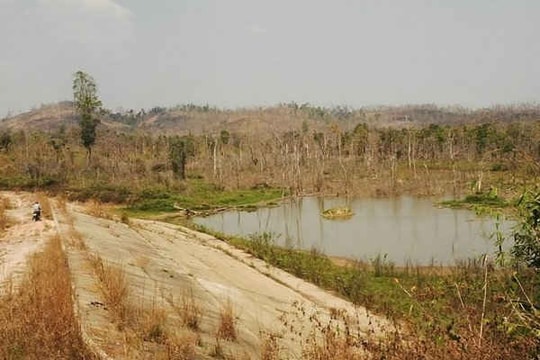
[{"x": 406, "y": 229}]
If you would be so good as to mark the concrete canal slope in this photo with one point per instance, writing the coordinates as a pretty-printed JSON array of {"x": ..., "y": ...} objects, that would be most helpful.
[{"x": 170, "y": 271}]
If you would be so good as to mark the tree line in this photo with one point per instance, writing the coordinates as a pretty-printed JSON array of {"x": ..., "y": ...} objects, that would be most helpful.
[
  {"x": 302, "y": 160},
  {"x": 336, "y": 156}
]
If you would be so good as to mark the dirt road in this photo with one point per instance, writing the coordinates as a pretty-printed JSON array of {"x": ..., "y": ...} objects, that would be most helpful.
[
  {"x": 169, "y": 268},
  {"x": 22, "y": 238}
]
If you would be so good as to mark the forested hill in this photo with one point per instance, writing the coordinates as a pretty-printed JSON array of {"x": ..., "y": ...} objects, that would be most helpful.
[{"x": 195, "y": 119}]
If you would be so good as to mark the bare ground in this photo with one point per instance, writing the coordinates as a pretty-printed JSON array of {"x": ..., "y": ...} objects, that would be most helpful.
[
  {"x": 22, "y": 238},
  {"x": 164, "y": 265}
]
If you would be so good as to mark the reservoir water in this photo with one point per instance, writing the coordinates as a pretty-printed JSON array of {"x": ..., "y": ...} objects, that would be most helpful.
[{"x": 404, "y": 229}]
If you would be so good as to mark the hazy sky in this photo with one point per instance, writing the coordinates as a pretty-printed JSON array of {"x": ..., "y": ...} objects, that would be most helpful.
[{"x": 234, "y": 53}]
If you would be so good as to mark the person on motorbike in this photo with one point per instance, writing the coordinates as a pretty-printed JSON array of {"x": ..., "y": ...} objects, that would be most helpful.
[{"x": 36, "y": 211}]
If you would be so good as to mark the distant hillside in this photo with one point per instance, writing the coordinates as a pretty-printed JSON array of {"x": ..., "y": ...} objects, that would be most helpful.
[
  {"x": 50, "y": 118},
  {"x": 47, "y": 117},
  {"x": 194, "y": 119}
]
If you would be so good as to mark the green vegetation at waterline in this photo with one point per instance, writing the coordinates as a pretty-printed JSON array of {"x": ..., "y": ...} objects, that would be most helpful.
[
  {"x": 527, "y": 234},
  {"x": 198, "y": 195},
  {"x": 478, "y": 308},
  {"x": 193, "y": 194},
  {"x": 479, "y": 202}
]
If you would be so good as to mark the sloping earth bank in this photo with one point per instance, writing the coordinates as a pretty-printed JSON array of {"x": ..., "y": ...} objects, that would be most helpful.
[{"x": 170, "y": 271}]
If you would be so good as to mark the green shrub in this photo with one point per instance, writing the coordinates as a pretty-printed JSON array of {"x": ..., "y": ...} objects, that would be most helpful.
[
  {"x": 154, "y": 205},
  {"x": 155, "y": 193},
  {"x": 527, "y": 234},
  {"x": 102, "y": 193},
  {"x": 499, "y": 167}
]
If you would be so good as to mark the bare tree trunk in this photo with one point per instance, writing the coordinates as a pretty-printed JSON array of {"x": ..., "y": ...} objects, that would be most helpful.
[
  {"x": 215, "y": 159},
  {"x": 411, "y": 152}
]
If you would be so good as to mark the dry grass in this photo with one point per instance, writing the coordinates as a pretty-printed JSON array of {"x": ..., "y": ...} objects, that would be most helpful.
[
  {"x": 114, "y": 288},
  {"x": 322, "y": 335},
  {"x": 270, "y": 346},
  {"x": 182, "y": 347},
  {"x": 331, "y": 344},
  {"x": 62, "y": 204},
  {"x": 97, "y": 209},
  {"x": 484, "y": 339},
  {"x": 37, "y": 321},
  {"x": 150, "y": 323},
  {"x": 217, "y": 351},
  {"x": 76, "y": 239},
  {"x": 190, "y": 311},
  {"x": 124, "y": 218},
  {"x": 5, "y": 221},
  {"x": 227, "y": 323},
  {"x": 147, "y": 323}
]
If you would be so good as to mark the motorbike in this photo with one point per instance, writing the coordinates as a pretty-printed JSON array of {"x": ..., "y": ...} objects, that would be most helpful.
[{"x": 36, "y": 216}]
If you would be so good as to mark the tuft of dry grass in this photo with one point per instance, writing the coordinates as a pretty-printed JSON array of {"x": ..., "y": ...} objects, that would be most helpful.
[
  {"x": 190, "y": 311},
  {"x": 329, "y": 343},
  {"x": 150, "y": 324},
  {"x": 322, "y": 335},
  {"x": 114, "y": 288},
  {"x": 182, "y": 347},
  {"x": 62, "y": 204},
  {"x": 227, "y": 323},
  {"x": 76, "y": 239},
  {"x": 145, "y": 324},
  {"x": 5, "y": 221},
  {"x": 37, "y": 320},
  {"x": 124, "y": 218},
  {"x": 270, "y": 346},
  {"x": 217, "y": 351},
  {"x": 97, "y": 209}
]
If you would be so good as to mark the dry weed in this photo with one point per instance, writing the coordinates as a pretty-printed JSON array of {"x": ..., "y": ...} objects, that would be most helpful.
[
  {"x": 97, "y": 209},
  {"x": 6, "y": 203},
  {"x": 144, "y": 324},
  {"x": 151, "y": 324},
  {"x": 62, "y": 205},
  {"x": 217, "y": 351},
  {"x": 37, "y": 321},
  {"x": 5, "y": 220},
  {"x": 182, "y": 347},
  {"x": 331, "y": 335},
  {"x": 330, "y": 343},
  {"x": 124, "y": 218},
  {"x": 227, "y": 323},
  {"x": 76, "y": 239},
  {"x": 114, "y": 288},
  {"x": 191, "y": 311},
  {"x": 270, "y": 347}
]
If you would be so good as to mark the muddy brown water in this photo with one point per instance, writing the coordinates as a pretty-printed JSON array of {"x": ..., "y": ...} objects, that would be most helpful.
[{"x": 403, "y": 230}]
